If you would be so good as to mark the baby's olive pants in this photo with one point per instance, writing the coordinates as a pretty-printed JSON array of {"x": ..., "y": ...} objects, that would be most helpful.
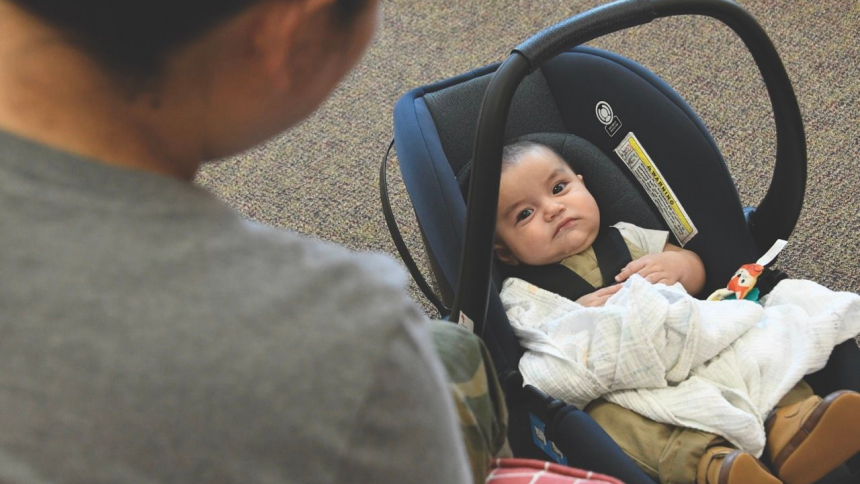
[{"x": 665, "y": 452}]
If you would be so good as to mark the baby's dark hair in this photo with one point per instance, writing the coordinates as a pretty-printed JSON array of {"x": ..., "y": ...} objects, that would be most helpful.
[
  {"x": 513, "y": 153},
  {"x": 133, "y": 38}
]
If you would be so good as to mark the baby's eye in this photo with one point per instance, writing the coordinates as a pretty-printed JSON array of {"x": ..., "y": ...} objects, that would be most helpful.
[
  {"x": 524, "y": 214},
  {"x": 558, "y": 187}
]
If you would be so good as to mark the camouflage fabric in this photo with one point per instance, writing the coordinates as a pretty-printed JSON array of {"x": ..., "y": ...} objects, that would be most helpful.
[{"x": 477, "y": 395}]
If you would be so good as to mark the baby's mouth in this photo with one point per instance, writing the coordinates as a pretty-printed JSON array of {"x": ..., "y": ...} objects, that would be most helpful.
[{"x": 566, "y": 223}]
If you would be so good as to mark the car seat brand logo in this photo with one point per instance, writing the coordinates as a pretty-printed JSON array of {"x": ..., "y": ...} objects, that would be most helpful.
[{"x": 607, "y": 118}]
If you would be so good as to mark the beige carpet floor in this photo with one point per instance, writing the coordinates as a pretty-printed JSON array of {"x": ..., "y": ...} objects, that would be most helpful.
[{"x": 320, "y": 178}]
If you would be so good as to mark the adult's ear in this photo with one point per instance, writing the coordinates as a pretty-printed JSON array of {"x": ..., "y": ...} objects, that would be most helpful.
[
  {"x": 278, "y": 35},
  {"x": 504, "y": 254}
]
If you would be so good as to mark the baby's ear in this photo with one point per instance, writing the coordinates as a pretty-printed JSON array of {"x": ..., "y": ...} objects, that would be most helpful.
[{"x": 504, "y": 254}]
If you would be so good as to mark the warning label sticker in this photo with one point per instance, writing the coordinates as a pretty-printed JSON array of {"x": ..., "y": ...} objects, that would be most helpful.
[{"x": 637, "y": 160}]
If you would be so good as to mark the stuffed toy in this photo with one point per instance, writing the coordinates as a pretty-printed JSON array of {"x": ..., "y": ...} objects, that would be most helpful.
[{"x": 742, "y": 284}]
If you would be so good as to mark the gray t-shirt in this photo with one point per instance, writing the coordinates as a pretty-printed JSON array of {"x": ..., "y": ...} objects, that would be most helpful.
[{"x": 149, "y": 334}]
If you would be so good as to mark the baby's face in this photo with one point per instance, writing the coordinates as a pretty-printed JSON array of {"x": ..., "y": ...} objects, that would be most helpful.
[{"x": 545, "y": 212}]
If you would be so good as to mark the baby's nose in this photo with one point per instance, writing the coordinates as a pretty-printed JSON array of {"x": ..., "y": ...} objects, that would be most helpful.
[{"x": 554, "y": 210}]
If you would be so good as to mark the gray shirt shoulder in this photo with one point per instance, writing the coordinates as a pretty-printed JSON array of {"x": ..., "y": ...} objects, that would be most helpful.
[{"x": 150, "y": 334}]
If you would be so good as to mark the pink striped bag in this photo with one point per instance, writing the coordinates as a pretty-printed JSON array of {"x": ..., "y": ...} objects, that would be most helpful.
[{"x": 528, "y": 471}]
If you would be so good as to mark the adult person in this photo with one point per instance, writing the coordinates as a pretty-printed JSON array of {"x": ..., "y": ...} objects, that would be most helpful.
[{"x": 149, "y": 333}]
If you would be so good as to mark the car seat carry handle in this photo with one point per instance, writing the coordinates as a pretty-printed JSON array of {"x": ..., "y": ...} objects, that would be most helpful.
[
  {"x": 776, "y": 215},
  {"x": 586, "y": 26}
]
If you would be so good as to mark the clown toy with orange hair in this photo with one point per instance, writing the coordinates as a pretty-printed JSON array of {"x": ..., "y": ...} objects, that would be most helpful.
[{"x": 742, "y": 284}]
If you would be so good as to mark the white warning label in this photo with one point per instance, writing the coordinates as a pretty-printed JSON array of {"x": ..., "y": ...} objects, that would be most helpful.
[{"x": 637, "y": 160}]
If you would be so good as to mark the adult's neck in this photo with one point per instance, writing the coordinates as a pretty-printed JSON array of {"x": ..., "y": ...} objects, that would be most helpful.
[{"x": 53, "y": 93}]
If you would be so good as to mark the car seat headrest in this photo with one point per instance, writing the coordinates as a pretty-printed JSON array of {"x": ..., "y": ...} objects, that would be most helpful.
[{"x": 455, "y": 110}]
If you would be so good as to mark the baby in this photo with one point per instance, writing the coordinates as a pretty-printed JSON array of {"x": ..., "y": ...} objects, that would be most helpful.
[{"x": 546, "y": 216}]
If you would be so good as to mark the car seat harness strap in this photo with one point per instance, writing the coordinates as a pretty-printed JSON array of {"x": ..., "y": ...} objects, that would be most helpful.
[{"x": 612, "y": 256}]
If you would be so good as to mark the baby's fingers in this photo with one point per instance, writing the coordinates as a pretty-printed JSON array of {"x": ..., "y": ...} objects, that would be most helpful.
[
  {"x": 631, "y": 268},
  {"x": 602, "y": 295},
  {"x": 598, "y": 298},
  {"x": 661, "y": 278},
  {"x": 610, "y": 290},
  {"x": 656, "y": 277}
]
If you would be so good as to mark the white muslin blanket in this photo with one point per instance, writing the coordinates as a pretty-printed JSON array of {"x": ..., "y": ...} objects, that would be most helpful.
[{"x": 719, "y": 367}]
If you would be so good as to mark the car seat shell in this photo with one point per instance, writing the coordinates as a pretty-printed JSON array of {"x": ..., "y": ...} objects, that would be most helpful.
[{"x": 436, "y": 135}]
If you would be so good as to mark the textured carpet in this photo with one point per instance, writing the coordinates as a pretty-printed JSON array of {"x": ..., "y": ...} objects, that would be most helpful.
[{"x": 320, "y": 178}]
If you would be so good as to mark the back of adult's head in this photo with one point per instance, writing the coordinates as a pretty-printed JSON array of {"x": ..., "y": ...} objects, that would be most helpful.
[
  {"x": 127, "y": 82},
  {"x": 133, "y": 38}
]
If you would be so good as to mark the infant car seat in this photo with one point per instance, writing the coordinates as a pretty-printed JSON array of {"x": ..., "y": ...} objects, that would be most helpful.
[{"x": 648, "y": 160}]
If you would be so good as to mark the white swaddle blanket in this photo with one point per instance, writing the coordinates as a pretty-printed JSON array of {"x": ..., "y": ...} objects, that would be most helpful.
[{"x": 719, "y": 367}]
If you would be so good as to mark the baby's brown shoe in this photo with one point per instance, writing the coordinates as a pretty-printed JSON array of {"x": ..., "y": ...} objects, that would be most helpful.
[
  {"x": 724, "y": 465},
  {"x": 807, "y": 440}
]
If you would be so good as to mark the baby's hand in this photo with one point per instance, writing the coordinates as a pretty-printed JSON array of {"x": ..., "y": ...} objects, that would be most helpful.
[
  {"x": 598, "y": 298},
  {"x": 666, "y": 267},
  {"x": 672, "y": 265}
]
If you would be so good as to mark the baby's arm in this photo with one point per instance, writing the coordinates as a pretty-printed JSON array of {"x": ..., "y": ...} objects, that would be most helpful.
[{"x": 672, "y": 265}]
